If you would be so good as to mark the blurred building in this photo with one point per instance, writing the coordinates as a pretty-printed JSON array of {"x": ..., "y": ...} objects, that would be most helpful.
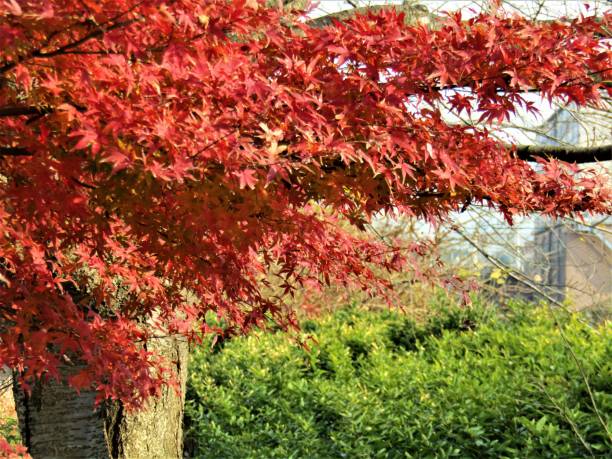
[{"x": 573, "y": 261}]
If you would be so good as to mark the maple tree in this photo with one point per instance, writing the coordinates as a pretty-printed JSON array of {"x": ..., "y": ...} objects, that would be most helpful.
[{"x": 159, "y": 159}]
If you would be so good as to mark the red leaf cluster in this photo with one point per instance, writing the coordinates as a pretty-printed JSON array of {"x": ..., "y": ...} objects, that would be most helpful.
[{"x": 160, "y": 160}]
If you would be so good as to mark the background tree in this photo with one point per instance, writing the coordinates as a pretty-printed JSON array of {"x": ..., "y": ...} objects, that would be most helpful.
[{"x": 160, "y": 160}]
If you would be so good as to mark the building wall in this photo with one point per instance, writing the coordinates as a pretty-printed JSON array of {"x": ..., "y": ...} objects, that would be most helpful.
[
  {"x": 574, "y": 262},
  {"x": 588, "y": 269},
  {"x": 574, "y": 265},
  {"x": 549, "y": 260}
]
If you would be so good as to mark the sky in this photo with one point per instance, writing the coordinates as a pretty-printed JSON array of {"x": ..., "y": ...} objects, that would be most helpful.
[{"x": 547, "y": 9}]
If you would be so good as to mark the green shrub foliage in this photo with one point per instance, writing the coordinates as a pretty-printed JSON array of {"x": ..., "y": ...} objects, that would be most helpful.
[{"x": 376, "y": 385}]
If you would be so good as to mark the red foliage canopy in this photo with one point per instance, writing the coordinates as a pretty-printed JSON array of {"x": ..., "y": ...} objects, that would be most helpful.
[{"x": 159, "y": 158}]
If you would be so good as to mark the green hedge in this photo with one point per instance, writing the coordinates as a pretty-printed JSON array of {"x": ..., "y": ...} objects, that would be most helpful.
[{"x": 375, "y": 385}]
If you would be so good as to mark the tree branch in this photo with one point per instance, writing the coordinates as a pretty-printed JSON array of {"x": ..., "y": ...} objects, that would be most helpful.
[
  {"x": 14, "y": 151},
  {"x": 16, "y": 110},
  {"x": 38, "y": 53},
  {"x": 578, "y": 155}
]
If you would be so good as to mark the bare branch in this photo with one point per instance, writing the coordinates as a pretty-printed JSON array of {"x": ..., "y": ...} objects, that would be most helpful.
[
  {"x": 14, "y": 151},
  {"x": 578, "y": 155},
  {"x": 38, "y": 53},
  {"x": 17, "y": 110}
]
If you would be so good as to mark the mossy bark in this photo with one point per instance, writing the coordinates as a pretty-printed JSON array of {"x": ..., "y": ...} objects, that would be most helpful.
[{"x": 58, "y": 423}]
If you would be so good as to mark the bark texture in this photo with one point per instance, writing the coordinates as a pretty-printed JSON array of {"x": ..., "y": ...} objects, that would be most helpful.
[{"x": 57, "y": 423}]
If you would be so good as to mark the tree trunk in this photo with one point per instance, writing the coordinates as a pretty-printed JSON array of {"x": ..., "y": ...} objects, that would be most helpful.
[{"x": 57, "y": 423}]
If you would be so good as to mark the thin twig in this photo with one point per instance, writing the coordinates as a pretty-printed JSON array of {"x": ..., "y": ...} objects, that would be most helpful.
[
  {"x": 551, "y": 301},
  {"x": 563, "y": 413}
]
